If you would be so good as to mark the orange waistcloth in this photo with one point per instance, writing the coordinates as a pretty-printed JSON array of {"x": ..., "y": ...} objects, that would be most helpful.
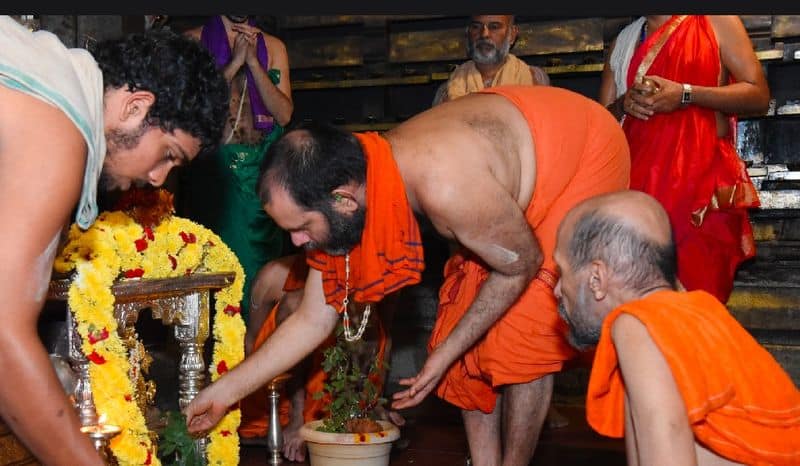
[
  {"x": 255, "y": 407},
  {"x": 740, "y": 402},
  {"x": 678, "y": 158},
  {"x": 580, "y": 152},
  {"x": 389, "y": 255}
]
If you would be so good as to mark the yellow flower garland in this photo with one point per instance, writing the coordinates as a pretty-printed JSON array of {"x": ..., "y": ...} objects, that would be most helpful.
[{"x": 116, "y": 246}]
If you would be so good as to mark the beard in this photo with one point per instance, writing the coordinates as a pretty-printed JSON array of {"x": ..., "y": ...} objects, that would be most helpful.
[
  {"x": 494, "y": 56},
  {"x": 118, "y": 140},
  {"x": 583, "y": 334},
  {"x": 344, "y": 231}
]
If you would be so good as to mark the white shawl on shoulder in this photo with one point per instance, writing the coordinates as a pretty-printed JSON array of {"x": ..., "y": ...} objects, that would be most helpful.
[
  {"x": 40, "y": 65},
  {"x": 620, "y": 58}
]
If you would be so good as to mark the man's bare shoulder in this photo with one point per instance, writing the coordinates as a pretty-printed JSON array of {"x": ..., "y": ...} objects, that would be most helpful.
[
  {"x": 631, "y": 338},
  {"x": 627, "y": 326},
  {"x": 629, "y": 334},
  {"x": 40, "y": 148},
  {"x": 26, "y": 108}
]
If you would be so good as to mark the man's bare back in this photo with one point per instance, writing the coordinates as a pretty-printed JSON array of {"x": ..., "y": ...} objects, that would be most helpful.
[{"x": 477, "y": 140}]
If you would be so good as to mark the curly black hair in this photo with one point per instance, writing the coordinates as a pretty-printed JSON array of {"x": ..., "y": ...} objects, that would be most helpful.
[{"x": 191, "y": 94}]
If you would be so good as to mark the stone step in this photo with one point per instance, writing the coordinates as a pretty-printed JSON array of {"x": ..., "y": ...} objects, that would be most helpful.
[
  {"x": 766, "y": 307},
  {"x": 782, "y": 252}
]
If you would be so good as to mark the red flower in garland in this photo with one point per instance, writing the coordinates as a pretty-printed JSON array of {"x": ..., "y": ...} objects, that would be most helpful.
[
  {"x": 222, "y": 367},
  {"x": 172, "y": 261},
  {"x": 98, "y": 335},
  {"x": 96, "y": 357},
  {"x": 134, "y": 273},
  {"x": 141, "y": 244},
  {"x": 188, "y": 238},
  {"x": 148, "y": 233},
  {"x": 232, "y": 310},
  {"x": 225, "y": 433}
]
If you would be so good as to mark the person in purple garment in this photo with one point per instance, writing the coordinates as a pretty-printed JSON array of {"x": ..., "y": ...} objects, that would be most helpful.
[{"x": 219, "y": 192}]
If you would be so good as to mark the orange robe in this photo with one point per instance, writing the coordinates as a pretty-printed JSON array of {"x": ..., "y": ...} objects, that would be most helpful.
[
  {"x": 255, "y": 408},
  {"x": 698, "y": 177},
  {"x": 580, "y": 152},
  {"x": 741, "y": 404}
]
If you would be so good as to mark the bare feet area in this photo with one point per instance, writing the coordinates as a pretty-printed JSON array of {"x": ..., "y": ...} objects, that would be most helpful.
[{"x": 294, "y": 448}]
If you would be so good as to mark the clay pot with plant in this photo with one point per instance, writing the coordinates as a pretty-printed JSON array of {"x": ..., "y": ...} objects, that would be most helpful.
[{"x": 351, "y": 433}]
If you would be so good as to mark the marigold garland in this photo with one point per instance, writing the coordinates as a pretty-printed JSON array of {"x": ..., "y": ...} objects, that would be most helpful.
[{"x": 116, "y": 247}]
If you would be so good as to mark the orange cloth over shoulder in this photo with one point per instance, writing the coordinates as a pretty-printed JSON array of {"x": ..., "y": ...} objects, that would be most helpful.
[
  {"x": 740, "y": 402},
  {"x": 255, "y": 408},
  {"x": 389, "y": 255},
  {"x": 580, "y": 152}
]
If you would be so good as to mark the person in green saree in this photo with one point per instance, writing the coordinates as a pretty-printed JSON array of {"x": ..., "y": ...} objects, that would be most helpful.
[{"x": 219, "y": 192}]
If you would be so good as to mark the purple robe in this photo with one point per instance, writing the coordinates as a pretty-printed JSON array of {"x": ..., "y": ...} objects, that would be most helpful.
[{"x": 215, "y": 39}]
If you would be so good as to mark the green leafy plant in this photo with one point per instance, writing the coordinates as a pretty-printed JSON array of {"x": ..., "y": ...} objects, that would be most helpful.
[
  {"x": 352, "y": 369},
  {"x": 176, "y": 446}
]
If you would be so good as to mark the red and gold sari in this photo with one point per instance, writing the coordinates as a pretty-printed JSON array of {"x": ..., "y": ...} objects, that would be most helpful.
[{"x": 678, "y": 158}]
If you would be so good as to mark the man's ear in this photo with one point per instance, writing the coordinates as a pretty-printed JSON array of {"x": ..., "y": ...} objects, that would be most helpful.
[
  {"x": 344, "y": 200},
  {"x": 135, "y": 106},
  {"x": 598, "y": 279},
  {"x": 514, "y": 34}
]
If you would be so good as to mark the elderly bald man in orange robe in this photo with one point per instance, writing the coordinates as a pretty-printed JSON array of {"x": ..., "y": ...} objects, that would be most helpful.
[{"x": 674, "y": 372}]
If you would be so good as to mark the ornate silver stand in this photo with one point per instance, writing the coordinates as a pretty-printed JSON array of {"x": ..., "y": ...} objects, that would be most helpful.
[{"x": 182, "y": 302}]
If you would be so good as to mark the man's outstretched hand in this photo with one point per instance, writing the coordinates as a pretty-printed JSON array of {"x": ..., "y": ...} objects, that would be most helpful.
[
  {"x": 423, "y": 383},
  {"x": 204, "y": 411}
]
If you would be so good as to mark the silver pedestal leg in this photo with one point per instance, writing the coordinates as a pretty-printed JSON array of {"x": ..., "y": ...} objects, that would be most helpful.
[
  {"x": 191, "y": 338},
  {"x": 275, "y": 434},
  {"x": 84, "y": 402}
]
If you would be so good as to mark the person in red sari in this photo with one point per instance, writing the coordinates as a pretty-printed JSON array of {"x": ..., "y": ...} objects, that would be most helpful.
[{"x": 677, "y": 83}]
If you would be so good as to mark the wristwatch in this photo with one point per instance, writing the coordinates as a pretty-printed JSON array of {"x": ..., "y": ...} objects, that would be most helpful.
[{"x": 686, "y": 97}]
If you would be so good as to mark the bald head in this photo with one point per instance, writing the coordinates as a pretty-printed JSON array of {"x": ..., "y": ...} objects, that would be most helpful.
[
  {"x": 309, "y": 161},
  {"x": 629, "y": 231}
]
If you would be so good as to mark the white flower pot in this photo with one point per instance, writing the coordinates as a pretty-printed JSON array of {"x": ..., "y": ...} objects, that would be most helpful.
[{"x": 327, "y": 449}]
